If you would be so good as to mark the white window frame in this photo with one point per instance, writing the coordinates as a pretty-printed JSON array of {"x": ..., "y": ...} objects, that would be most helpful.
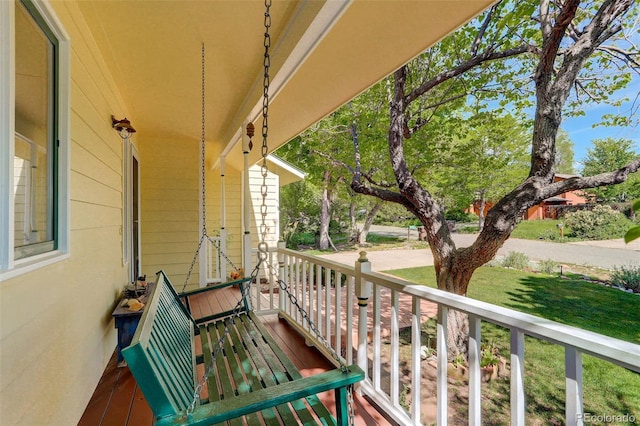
[
  {"x": 9, "y": 267},
  {"x": 129, "y": 152}
]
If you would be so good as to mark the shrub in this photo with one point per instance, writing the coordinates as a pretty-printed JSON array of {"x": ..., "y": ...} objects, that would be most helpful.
[
  {"x": 601, "y": 223},
  {"x": 515, "y": 260},
  {"x": 551, "y": 235},
  {"x": 548, "y": 266},
  {"x": 460, "y": 216},
  {"x": 627, "y": 277}
]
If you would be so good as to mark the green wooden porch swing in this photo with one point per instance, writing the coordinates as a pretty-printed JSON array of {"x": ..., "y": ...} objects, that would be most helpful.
[{"x": 247, "y": 378}]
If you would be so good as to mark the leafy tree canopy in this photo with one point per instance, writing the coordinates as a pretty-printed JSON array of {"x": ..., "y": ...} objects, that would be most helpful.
[{"x": 610, "y": 154}]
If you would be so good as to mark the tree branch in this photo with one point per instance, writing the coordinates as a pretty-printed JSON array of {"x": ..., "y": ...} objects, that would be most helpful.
[
  {"x": 332, "y": 160},
  {"x": 545, "y": 19},
  {"x": 483, "y": 29},
  {"x": 623, "y": 55},
  {"x": 463, "y": 67},
  {"x": 587, "y": 182},
  {"x": 421, "y": 122},
  {"x": 553, "y": 36},
  {"x": 383, "y": 194}
]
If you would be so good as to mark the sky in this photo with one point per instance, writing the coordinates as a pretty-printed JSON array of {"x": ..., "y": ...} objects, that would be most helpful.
[{"x": 582, "y": 132}]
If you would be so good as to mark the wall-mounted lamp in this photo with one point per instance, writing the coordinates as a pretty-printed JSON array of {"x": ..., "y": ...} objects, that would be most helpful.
[{"x": 123, "y": 127}]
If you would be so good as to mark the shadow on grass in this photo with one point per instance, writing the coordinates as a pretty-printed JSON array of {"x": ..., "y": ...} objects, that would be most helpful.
[{"x": 586, "y": 305}]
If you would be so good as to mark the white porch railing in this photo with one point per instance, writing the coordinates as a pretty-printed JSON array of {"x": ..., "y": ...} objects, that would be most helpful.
[
  {"x": 216, "y": 264},
  {"x": 385, "y": 303}
]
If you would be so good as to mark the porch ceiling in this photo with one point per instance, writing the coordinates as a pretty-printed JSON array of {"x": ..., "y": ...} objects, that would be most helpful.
[{"x": 323, "y": 54}]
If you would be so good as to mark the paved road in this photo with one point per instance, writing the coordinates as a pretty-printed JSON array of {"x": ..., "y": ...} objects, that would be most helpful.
[{"x": 603, "y": 254}]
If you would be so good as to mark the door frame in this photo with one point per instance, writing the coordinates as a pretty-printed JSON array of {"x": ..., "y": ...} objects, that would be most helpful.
[{"x": 131, "y": 241}]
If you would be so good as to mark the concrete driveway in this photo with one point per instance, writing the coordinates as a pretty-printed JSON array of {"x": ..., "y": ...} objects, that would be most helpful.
[{"x": 602, "y": 254}]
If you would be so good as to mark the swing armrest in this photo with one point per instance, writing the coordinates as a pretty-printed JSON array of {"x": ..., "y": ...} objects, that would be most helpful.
[
  {"x": 213, "y": 287},
  {"x": 262, "y": 399},
  {"x": 184, "y": 296}
]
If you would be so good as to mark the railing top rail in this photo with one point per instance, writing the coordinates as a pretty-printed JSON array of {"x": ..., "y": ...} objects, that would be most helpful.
[
  {"x": 618, "y": 351},
  {"x": 336, "y": 266}
]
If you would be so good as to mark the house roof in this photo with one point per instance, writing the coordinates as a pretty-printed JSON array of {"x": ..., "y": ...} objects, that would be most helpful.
[
  {"x": 556, "y": 200},
  {"x": 287, "y": 172},
  {"x": 323, "y": 53}
]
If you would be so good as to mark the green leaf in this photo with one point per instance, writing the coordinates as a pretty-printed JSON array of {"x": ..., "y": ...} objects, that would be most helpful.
[{"x": 632, "y": 234}]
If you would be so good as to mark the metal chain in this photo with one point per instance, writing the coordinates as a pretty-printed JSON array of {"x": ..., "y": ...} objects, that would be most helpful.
[
  {"x": 203, "y": 233},
  {"x": 315, "y": 330},
  {"x": 307, "y": 318},
  {"x": 219, "y": 345},
  {"x": 202, "y": 147},
  {"x": 223, "y": 254},
  {"x": 235, "y": 313},
  {"x": 263, "y": 248}
]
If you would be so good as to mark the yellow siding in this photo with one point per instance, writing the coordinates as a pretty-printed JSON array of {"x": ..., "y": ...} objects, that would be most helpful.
[
  {"x": 55, "y": 328},
  {"x": 169, "y": 172},
  {"x": 272, "y": 203}
]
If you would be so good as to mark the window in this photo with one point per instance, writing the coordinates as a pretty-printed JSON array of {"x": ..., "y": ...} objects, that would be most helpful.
[
  {"x": 33, "y": 136},
  {"x": 35, "y": 144}
]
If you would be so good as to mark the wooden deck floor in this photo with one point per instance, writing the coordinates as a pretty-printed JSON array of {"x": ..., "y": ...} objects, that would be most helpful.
[{"x": 117, "y": 401}]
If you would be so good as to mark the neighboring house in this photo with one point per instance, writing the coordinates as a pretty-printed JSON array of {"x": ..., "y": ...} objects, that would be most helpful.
[
  {"x": 548, "y": 209},
  {"x": 85, "y": 210}
]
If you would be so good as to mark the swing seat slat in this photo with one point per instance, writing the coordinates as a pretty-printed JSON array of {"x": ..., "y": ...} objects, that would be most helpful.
[{"x": 251, "y": 377}]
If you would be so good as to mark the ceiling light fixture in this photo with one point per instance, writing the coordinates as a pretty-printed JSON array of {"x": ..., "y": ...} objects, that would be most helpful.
[{"x": 123, "y": 127}]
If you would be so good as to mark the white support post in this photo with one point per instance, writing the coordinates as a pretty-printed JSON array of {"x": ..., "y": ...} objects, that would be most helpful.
[
  {"x": 517, "y": 377},
  {"x": 223, "y": 198},
  {"x": 298, "y": 290},
  {"x": 223, "y": 249},
  {"x": 442, "y": 399},
  {"x": 327, "y": 304},
  {"x": 363, "y": 293},
  {"x": 281, "y": 274},
  {"x": 310, "y": 297},
  {"x": 573, "y": 379},
  {"x": 376, "y": 339},
  {"x": 350, "y": 294},
  {"x": 394, "y": 386},
  {"x": 475, "y": 394},
  {"x": 246, "y": 238},
  {"x": 223, "y": 220},
  {"x": 416, "y": 349},
  {"x": 319, "y": 289},
  {"x": 337, "y": 345}
]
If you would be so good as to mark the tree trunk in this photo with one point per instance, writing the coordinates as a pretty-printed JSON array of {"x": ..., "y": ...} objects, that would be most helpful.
[
  {"x": 454, "y": 278},
  {"x": 354, "y": 233},
  {"x": 371, "y": 214},
  {"x": 325, "y": 213},
  {"x": 483, "y": 204}
]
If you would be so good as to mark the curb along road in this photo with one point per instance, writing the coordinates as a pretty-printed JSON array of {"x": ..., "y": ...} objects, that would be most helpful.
[{"x": 601, "y": 254}]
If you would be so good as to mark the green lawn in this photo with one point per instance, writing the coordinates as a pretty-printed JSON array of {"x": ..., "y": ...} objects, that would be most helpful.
[
  {"x": 608, "y": 389},
  {"x": 546, "y": 229}
]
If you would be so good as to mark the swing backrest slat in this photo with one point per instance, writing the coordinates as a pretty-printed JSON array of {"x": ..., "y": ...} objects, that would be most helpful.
[{"x": 161, "y": 354}]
